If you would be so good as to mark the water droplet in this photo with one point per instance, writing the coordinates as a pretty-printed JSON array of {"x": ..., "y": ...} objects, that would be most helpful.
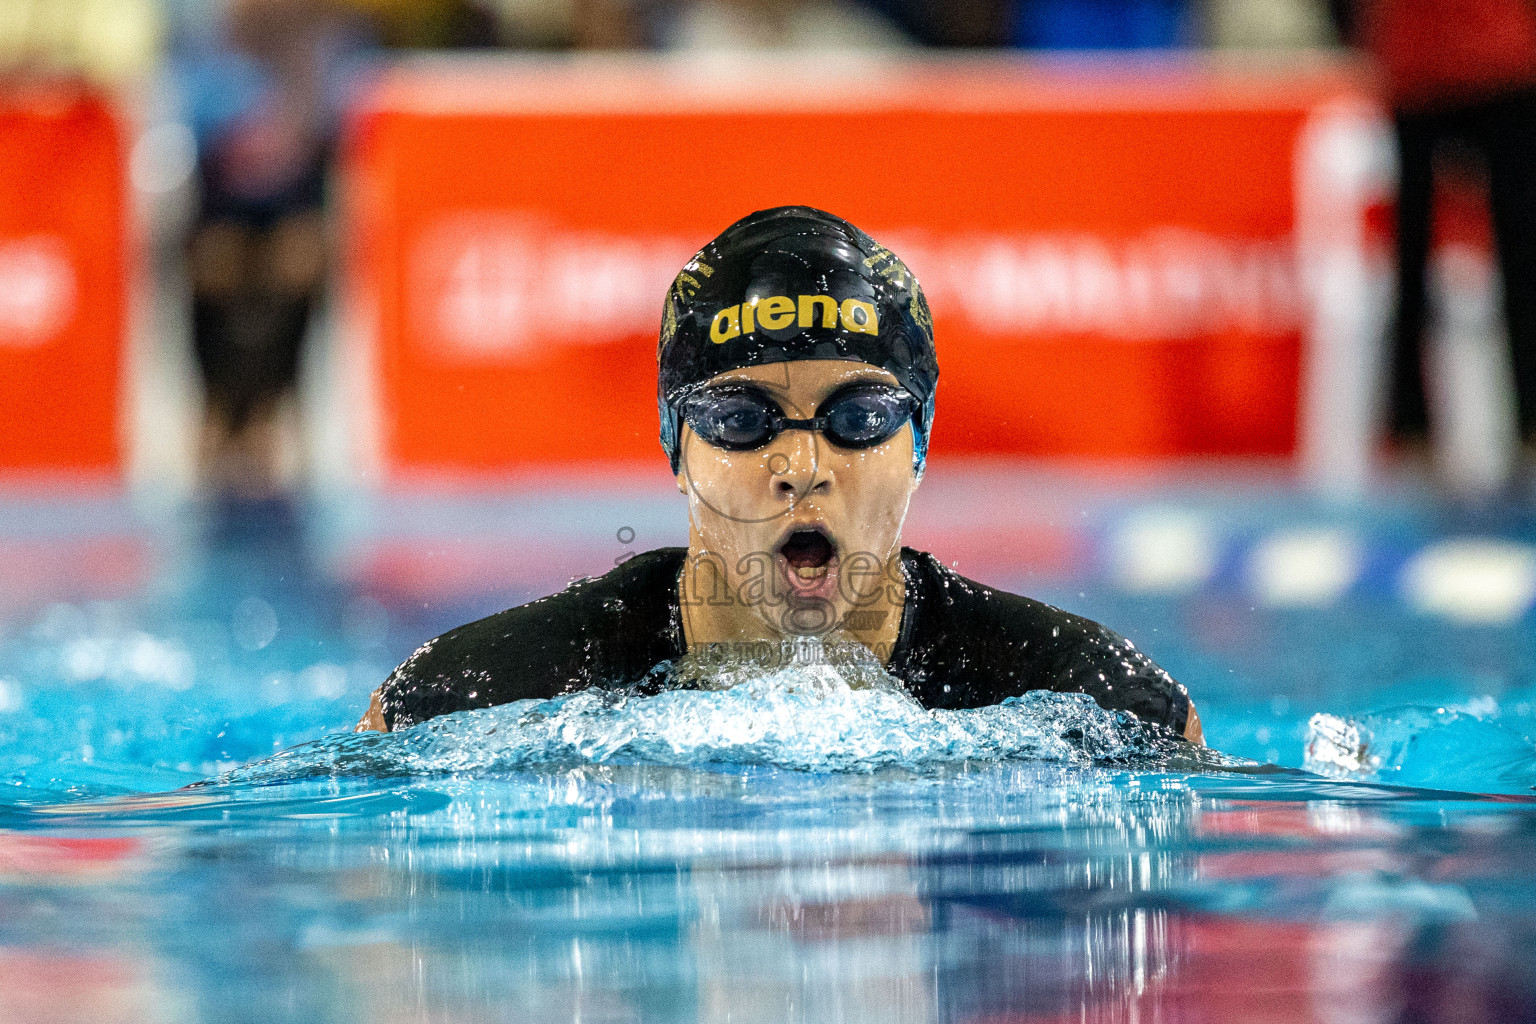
[{"x": 254, "y": 624}]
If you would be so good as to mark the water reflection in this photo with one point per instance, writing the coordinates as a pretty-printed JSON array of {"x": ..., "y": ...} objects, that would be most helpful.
[
  {"x": 971, "y": 893},
  {"x": 625, "y": 893}
]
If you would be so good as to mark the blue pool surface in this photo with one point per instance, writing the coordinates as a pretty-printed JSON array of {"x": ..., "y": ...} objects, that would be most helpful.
[{"x": 187, "y": 833}]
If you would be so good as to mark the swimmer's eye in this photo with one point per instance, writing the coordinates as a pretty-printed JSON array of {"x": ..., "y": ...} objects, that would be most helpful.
[
  {"x": 737, "y": 420},
  {"x": 865, "y": 415}
]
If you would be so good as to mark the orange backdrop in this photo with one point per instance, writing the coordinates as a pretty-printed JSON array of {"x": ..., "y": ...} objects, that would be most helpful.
[
  {"x": 62, "y": 261},
  {"x": 1109, "y": 255}
]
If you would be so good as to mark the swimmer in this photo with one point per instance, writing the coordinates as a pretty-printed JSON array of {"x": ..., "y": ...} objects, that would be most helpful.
[{"x": 796, "y": 392}]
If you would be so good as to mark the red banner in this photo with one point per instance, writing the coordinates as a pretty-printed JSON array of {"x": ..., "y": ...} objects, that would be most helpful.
[
  {"x": 1110, "y": 256},
  {"x": 62, "y": 281}
]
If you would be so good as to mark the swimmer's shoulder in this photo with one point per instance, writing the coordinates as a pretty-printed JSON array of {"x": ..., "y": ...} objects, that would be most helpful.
[
  {"x": 972, "y": 645},
  {"x": 600, "y": 629},
  {"x": 955, "y": 604}
]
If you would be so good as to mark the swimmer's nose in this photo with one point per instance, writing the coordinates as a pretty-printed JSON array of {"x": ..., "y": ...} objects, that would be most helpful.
[{"x": 796, "y": 465}]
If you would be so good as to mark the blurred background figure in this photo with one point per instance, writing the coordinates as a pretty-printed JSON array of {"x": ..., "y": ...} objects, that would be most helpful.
[
  {"x": 1461, "y": 80},
  {"x": 263, "y": 91},
  {"x": 264, "y": 85},
  {"x": 254, "y": 92}
]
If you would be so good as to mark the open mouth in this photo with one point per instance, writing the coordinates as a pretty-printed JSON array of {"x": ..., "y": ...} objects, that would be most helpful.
[{"x": 808, "y": 553}]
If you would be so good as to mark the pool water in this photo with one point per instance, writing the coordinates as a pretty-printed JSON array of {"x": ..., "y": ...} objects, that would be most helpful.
[{"x": 188, "y": 834}]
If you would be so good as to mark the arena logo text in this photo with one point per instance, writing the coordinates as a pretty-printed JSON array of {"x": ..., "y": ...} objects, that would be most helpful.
[{"x": 780, "y": 312}]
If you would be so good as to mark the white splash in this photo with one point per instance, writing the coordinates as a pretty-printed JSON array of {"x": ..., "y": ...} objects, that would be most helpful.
[
  {"x": 1443, "y": 748},
  {"x": 810, "y": 717}
]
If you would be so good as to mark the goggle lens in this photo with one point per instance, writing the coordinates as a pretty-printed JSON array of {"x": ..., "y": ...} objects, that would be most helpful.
[
  {"x": 864, "y": 418},
  {"x": 736, "y": 420}
]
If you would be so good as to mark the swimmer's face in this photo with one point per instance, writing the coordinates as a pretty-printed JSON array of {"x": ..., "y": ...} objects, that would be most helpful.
[{"x": 804, "y": 531}]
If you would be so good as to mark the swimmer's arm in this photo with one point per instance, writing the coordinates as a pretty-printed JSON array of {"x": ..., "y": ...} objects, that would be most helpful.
[
  {"x": 1192, "y": 730},
  {"x": 373, "y": 718}
]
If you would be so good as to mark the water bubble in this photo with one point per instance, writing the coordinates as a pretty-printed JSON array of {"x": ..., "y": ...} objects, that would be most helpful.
[{"x": 254, "y": 624}]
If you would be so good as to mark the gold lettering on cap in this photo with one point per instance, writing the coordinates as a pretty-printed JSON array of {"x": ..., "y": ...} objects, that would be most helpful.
[
  {"x": 859, "y": 317},
  {"x": 726, "y": 325},
  {"x": 668, "y": 325},
  {"x": 777, "y": 312},
  {"x": 808, "y": 304}
]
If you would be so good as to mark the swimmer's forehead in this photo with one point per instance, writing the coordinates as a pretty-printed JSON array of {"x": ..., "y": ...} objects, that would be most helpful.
[{"x": 816, "y": 375}]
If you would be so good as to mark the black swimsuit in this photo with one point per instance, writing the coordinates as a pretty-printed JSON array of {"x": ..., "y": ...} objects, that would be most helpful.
[{"x": 960, "y": 645}]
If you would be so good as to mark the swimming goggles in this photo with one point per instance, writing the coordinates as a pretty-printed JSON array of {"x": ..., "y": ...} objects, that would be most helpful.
[{"x": 740, "y": 418}]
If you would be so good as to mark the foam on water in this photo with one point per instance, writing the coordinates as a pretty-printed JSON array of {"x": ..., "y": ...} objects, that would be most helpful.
[
  {"x": 808, "y": 715},
  {"x": 1419, "y": 746}
]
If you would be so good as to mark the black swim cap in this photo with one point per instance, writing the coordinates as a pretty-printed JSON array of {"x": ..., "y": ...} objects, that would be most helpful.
[{"x": 793, "y": 283}]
